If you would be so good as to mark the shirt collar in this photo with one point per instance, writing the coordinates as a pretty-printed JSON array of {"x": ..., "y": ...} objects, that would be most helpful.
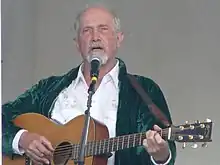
[{"x": 113, "y": 74}]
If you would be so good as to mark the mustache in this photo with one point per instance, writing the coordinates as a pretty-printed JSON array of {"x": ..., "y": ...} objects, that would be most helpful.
[{"x": 98, "y": 44}]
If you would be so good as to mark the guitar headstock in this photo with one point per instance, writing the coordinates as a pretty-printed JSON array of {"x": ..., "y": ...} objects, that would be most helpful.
[{"x": 193, "y": 133}]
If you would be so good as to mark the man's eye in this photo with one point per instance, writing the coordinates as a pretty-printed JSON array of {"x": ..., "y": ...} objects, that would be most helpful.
[
  {"x": 104, "y": 28},
  {"x": 85, "y": 30}
]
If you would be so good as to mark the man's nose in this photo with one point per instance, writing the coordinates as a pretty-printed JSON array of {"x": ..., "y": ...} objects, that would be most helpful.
[{"x": 95, "y": 35}]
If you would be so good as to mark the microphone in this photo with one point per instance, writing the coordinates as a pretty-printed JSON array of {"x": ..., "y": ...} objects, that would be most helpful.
[
  {"x": 95, "y": 66},
  {"x": 96, "y": 61}
]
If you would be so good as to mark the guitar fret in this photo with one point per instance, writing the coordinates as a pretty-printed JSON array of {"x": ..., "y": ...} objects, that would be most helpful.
[
  {"x": 117, "y": 142},
  {"x": 108, "y": 149},
  {"x": 73, "y": 151},
  {"x": 123, "y": 138},
  {"x": 100, "y": 145},
  {"x": 92, "y": 148},
  {"x": 134, "y": 140},
  {"x": 112, "y": 143},
  {"x": 125, "y": 141},
  {"x": 95, "y": 148},
  {"x": 103, "y": 149},
  {"x": 137, "y": 140},
  {"x": 128, "y": 141},
  {"x": 77, "y": 150},
  {"x": 140, "y": 139}
]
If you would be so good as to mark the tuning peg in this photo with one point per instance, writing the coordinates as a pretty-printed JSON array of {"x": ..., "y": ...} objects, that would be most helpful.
[
  {"x": 192, "y": 126},
  {"x": 190, "y": 137},
  {"x": 204, "y": 145},
  {"x": 197, "y": 121},
  {"x": 208, "y": 120},
  {"x": 180, "y": 137},
  {"x": 202, "y": 125},
  {"x": 201, "y": 137},
  {"x": 194, "y": 145},
  {"x": 184, "y": 145}
]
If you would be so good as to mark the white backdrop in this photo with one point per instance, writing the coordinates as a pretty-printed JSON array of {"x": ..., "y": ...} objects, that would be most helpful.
[{"x": 176, "y": 43}]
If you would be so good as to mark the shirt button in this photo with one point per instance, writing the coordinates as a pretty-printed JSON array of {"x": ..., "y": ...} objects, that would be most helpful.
[{"x": 114, "y": 103}]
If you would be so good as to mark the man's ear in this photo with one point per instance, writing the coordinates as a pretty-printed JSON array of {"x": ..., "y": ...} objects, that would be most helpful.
[
  {"x": 120, "y": 38},
  {"x": 76, "y": 42}
]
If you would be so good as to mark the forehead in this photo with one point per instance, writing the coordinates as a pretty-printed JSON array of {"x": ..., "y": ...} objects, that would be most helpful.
[{"x": 95, "y": 17}]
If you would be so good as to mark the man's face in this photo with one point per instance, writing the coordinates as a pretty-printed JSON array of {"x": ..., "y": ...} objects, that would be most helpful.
[{"x": 97, "y": 34}]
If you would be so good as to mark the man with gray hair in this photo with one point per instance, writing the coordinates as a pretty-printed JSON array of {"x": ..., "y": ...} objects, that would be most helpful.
[{"x": 115, "y": 102}]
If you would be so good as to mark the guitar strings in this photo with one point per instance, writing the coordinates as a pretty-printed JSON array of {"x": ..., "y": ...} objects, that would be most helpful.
[
  {"x": 71, "y": 147},
  {"x": 101, "y": 142},
  {"x": 111, "y": 140},
  {"x": 164, "y": 132},
  {"x": 74, "y": 151},
  {"x": 89, "y": 149}
]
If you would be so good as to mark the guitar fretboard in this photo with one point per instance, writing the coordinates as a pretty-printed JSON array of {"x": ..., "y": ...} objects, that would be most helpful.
[
  {"x": 110, "y": 145},
  {"x": 114, "y": 144}
]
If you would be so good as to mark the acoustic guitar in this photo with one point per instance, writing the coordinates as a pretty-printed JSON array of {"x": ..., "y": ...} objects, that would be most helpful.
[{"x": 66, "y": 138}]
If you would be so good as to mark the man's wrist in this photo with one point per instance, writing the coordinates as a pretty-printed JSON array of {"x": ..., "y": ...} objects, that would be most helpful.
[
  {"x": 21, "y": 140},
  {"x": 15, "y": 142},
  {"x": 162, "y": 162}
]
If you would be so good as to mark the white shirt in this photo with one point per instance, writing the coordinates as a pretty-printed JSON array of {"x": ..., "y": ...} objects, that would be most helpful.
[{"x": 72, "y": 102}]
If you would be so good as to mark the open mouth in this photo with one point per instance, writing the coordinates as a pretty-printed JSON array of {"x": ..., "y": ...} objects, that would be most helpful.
[{"x": 98, "y": 48}]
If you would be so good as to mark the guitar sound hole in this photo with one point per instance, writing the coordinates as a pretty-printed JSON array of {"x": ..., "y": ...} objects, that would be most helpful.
[{"x": 62, "y": 153}]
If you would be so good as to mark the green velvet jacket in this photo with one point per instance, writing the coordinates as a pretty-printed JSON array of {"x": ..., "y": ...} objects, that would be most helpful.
[{"x": 133, "y": 115}]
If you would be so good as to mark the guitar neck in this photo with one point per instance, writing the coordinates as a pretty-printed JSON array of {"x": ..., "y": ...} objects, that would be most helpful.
[
  {"x": 198, "y": 132},
  {"x": 116, "y": 143}
]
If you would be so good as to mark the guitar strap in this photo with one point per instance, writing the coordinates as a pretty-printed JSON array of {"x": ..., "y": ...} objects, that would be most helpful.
[{"x": 145, "y": 97}]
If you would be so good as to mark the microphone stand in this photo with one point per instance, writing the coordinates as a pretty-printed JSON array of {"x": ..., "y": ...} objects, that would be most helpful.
[{"x": 83, "y": 142}]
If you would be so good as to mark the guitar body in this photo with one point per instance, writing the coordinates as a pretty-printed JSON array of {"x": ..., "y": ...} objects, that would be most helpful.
[{"x": 56, "y": 134}]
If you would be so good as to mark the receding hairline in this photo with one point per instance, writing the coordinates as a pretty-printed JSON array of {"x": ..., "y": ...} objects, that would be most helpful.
[
  {"x": 98, "y": 8},
  {"x": 115, "y": 18}
]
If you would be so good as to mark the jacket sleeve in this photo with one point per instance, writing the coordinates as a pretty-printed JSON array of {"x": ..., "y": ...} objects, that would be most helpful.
[
  {"x": 160, "y": 101},
  {"x": 26, "y": 102},
  {"x": 158, "y": 98}
]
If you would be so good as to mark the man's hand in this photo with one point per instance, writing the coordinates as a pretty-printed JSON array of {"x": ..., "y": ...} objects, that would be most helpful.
[
  {"x": 37, "y": 147},
  {"x": 156, "y": 146}
]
